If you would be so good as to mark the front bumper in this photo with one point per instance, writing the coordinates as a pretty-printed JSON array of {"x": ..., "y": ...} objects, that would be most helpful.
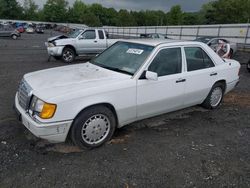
[
  {"x": 54, "y": 51},
  {"x": 54, "y": 132}
]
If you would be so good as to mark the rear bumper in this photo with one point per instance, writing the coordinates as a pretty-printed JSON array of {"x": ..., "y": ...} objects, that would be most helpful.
[
  {"x": 232, "y": 85},
  {"x": 53, "y": 132}
]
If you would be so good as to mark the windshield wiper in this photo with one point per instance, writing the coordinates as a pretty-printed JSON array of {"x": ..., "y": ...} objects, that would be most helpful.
[
  {"x": 114, "y": 69},
  {"x": 120, "y": 70}
]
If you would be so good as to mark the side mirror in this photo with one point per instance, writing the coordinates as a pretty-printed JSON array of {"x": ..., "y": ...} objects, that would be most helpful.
[
  {"x": 80, "y": 37},
  {"x": 151, "y": 75}
]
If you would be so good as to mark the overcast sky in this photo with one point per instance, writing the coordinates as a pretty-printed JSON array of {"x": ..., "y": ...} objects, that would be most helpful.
[{"x": 165, "y": 5}]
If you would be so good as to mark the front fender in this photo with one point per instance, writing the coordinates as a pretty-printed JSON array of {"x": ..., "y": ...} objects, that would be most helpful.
[{"x": 65, "y": 42}]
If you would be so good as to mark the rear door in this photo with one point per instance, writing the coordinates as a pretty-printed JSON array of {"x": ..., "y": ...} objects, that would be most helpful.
[
  {"x": 166, "y": 93},
  {"x": 102, "y": 42},
  {"x": 200, "y": 75}
]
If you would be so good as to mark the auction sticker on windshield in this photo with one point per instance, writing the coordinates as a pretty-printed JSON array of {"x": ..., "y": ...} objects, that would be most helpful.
[{"x": 134, "y": 51}]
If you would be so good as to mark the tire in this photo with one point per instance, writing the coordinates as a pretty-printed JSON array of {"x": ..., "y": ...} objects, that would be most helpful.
[
  {"x": 14, "y": 37},
  {"x": 68, "y": 55},
  {"x": 93, "y": 127},
  {"x": 215, "y": 96},
  {"x": 248, "y": 66}
]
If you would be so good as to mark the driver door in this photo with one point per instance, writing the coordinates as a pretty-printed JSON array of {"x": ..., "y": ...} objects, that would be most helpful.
[
  {"x": 167, "y": 93},
  {"x": 87, "y": 42}
]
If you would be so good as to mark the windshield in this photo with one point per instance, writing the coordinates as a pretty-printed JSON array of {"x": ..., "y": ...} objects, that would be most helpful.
[
  {"x": 74, "y": 34},
  {"x": 124, "y": 57}
]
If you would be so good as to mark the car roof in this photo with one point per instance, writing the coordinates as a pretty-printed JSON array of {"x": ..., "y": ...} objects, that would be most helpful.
[{"x": 157, "y": 42}]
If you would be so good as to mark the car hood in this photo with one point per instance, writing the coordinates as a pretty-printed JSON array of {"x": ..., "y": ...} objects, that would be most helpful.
[
  {"x": 54, "y": 82},
  {"x": 51, "y": 39}
]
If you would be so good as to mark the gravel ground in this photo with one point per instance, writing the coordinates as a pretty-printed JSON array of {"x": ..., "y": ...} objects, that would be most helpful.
[{"x": 193, "y": 147}]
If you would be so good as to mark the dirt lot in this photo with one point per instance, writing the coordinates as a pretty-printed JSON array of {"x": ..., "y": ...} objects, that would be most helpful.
[{"x": 189, "y": 148}]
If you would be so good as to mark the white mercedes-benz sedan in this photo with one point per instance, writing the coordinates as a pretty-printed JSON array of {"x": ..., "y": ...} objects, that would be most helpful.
[{"x": 129, "y": 81}]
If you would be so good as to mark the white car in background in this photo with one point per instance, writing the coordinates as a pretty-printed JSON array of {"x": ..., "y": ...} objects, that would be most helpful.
[
  {"x": 30, "y": 30},
  {"x": 130, "y": 81}
]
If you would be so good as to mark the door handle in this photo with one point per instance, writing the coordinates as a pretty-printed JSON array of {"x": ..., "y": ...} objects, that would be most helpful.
[
  {"x": 95, "y": 41},
  {"x": 180, "y": 80},
  {"x": 213, "y": 74}
]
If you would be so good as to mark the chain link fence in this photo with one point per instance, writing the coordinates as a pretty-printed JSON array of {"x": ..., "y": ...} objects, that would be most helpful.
[{"x": 238, "y": 33}]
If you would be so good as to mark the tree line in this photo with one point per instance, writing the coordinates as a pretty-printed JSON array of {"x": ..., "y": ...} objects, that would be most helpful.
[{"x": 215, "y": 12}]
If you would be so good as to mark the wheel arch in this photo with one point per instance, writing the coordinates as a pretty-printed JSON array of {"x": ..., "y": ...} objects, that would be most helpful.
[
  {"x": 105, "y": 104},
  {"x": 222, "y": 81},
  {"x": 13, "y": 34},
  {"x": 70, "y": 46}
]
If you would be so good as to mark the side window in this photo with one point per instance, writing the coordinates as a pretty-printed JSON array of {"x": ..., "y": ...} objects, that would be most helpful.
[
  {"x": 197, "y": 59},
  {"x": 215, "y": 41},
  {"x": 167, "y": 62},
  {"x": 100, "y": 33},
  {"x": 90, "y": 34}
]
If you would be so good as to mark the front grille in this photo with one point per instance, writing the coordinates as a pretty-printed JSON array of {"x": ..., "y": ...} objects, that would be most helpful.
[{"x": 24, "y": 94}]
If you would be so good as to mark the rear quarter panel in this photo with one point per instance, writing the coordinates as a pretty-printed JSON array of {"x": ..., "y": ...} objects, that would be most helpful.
[{"x": 229, "y": 71}]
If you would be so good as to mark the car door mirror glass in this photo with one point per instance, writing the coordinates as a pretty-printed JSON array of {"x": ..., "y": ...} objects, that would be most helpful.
[{"x": 151, "y": 75}]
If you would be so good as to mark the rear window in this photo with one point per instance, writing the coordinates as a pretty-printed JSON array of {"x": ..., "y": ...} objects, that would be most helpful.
[{"x": 100, "y": 33}]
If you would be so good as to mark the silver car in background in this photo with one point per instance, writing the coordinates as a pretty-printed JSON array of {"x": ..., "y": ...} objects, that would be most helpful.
[
  {"x": 214, "y": 43},
  {"x": 9, "y": 31}
]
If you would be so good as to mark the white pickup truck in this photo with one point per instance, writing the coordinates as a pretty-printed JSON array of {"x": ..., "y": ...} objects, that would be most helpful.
[
  {"x": 79, "y": 42},
  {"x": 129, "y": 81}
]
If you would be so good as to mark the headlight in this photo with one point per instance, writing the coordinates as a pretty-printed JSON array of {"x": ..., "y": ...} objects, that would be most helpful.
[
  {"x": 42, "y": 109},
  {"x": 51, "y": 44}
]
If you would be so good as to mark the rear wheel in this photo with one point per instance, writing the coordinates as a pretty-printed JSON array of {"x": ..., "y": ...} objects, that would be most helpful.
[
  {"x": 68, "y": 55},
  {"x": 14, "y": 37},
  {"x": 93, "y": 127},
  {"x": 214, "y": 97}
]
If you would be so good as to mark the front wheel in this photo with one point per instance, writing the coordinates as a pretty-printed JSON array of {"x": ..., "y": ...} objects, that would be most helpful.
[
  {"x": 68, "y": 55},
  {"x": 214, "y": 97},
  {"x": 93, "y": 127}
]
